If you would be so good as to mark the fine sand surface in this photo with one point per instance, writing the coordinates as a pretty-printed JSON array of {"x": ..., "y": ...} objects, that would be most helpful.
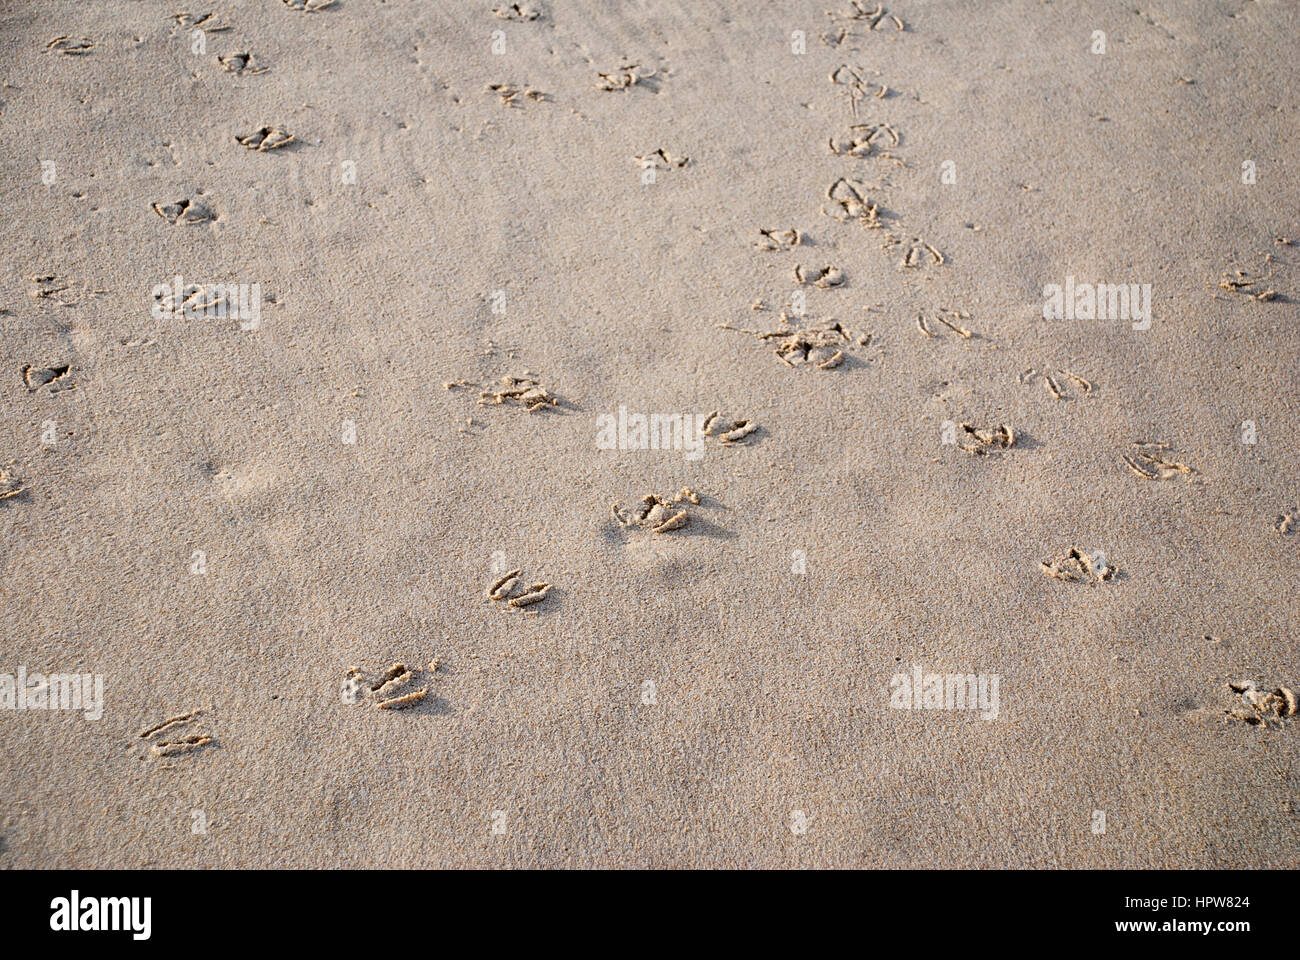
[{"x": 254, "y": 524}]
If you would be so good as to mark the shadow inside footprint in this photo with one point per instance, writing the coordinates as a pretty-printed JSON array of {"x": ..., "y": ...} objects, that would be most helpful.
[
  {"x": 850, "y": 362},
  {"x": 751, "y": 439},
  {"x": 22, "y": 495},
  {"x": 431, "y": 705},
  {"x": 699, "y": 527},
  {"x": 543, "y": 608}
]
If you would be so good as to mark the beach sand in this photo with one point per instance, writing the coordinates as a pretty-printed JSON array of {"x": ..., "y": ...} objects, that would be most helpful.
[{"x": 251, "y": 520}]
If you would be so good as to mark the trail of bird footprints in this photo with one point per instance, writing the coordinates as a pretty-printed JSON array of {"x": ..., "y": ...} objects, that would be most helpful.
[
  {"x": 822, "y": 345},
  {"x": 657, "y": 514},
  {"x": 508, "y": 590},
  {"x": 176, "y": 736},
  {"x": 396, "y": 688},
  {"x": 849, "y": 198}
]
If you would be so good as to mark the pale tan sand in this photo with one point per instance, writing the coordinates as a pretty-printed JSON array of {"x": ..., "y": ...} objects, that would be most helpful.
[{"x": 682, "y": 698}]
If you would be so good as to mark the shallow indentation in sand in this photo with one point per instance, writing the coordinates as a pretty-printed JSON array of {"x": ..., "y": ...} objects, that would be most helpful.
[
  {"x": 1059, "y": 384},
  {"x": 1255, "y": 286},
  {"x": 850, "y": 200},
  {"x": 10, "y": 486},
  {"x": 72, "y": 46},
  {"x": 184, "y": 211},
  {"x": 1155, "y": 461},
  {"x": 52, "y": 287},
  {"x": 661, "y": 160},
  {"x": 52, "y": 376},
  {"x": 207, "y": 22},
  {"x": 728, "y": 429},
  {"x": 1255, "y": 707},
  {"x": 877, "y": 18},
  {"x": 984, "y": 441},
  {"x": 242, "y": 64},
  {"x": 1077, "y": 566},
  {"x": 658, "y": 514},
  {"x": 858, "y": 85},
  {"x": 916, "y": 252},
  {"x": 177, "y": 735},
  {"x": 822, "y": 345},
  {"x": 525, "y": 391},
  {"x": 509, "y": 590},
  {"x": 776, "y": 239},
  {"x": 308, "y": 6},
  {"x": 824, "y": 277},
  {"x": 266, "y": 138},
  {"x": 859, "y": 140},
  {"x": 194, "y": 299},
  {"x": 398, "y": 687},
  {"x": 518, "y": 11},
  {"x": 628, "y": 75},
  {"x": 512, "y": 95}
]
